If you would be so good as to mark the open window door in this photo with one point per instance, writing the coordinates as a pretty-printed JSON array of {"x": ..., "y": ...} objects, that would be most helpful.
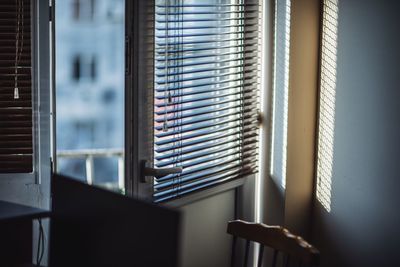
[
  {"x": 139, "y": 97},
  {"x": 25, "y": 102}
]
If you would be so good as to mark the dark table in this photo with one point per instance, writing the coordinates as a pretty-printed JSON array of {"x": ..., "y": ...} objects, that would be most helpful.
[{"x": 16, "y": 232}]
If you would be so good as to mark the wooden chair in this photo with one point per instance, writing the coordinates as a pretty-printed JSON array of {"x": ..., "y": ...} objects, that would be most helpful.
[{"x": 295, "y": 249}]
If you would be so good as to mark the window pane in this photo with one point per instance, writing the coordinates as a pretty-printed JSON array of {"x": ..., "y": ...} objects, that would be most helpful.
[{"x": 90, "y": 75}]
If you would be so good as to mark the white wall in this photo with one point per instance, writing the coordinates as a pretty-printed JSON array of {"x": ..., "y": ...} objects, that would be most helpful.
[
  {"x": 362, "y": 228},
  {"x": 204, "y": 239}
]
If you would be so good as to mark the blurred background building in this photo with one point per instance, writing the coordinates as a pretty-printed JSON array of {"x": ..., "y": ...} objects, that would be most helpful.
[{"x": 90, "y": 89}]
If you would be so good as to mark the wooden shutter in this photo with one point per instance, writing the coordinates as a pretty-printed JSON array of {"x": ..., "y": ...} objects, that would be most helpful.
[{"x": 16, "y": 144}]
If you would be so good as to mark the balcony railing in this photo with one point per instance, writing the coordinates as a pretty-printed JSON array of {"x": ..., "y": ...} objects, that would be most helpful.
[{"x": 89, "y": 155}]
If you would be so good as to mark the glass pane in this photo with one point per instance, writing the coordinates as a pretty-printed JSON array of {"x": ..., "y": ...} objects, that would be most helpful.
[{"x": 90, "y": 76}]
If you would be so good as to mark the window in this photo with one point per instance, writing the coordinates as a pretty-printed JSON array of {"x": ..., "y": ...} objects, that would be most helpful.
[
  {"x": 76, "y": 68},
  {"x": 206, "y": 77},
  {"x": 83, "y": 9},
  {"x": 90, "y": 100},
  {"x": 76, "y": 9},
  {"x": 84, "y": 68},
  {"x": 204, "y": 72},
  {"x": 93, "y": 68},
  {"x": 16, "y": 115}
]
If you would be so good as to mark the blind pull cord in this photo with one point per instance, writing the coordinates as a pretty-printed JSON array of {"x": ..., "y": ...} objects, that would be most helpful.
[
  {"x": 18, "y": 46},
  {"x": 166, "y": 91}
]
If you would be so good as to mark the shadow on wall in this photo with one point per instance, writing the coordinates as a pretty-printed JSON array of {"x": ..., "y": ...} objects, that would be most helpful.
[
  {"x": 274, "y": 202},
  {"x": 326, "y": 135},
  {"x": 355, "y": 220},
  {"x": 330, "y": 237}
]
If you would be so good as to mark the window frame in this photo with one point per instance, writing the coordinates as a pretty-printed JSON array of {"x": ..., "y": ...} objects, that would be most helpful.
[
  {"x": 40, "y": 99},
  {"x": 138, "y": 133},
  {"x": 137, "y": 128}
]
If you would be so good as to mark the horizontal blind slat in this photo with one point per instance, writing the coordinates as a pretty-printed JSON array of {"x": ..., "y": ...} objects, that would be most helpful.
[
  {"x": 197, "y": 170},
  {"x": 167, "y": 139},
  {"x": 204, "y": 127},
  {"x": 227, "y": 79}
]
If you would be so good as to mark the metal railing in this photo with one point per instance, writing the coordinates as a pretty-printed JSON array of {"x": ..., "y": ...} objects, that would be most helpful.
[{"x": 90, "y": 154}]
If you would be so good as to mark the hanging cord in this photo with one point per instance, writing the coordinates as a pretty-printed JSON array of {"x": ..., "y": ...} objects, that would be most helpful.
[
  {"x": 180, "y": 77},
  {"x": 180, "y": 84},
  {"x": 167, "y": 95},
  {"x": 241, "y": 8},
  {"x": 18, "y": 45},
  {"x": 175, "y": 62},
  {"x": 40, "y": 246}
]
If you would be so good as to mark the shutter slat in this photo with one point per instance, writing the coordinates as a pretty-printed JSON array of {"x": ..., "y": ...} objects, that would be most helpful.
[
  {"x": 205, "y": 155},
  {"x": 198, "y": 54},
  {"x": 15, "y": 111},
  {"x": 203, "y": 139},
  {"x": 15, "y": 137},
  {"x": 16, "y": 150},
  {"x": 186, "y": 74},
  {"x": 171, "y": 144},
  {"x": 15, "y": 130},
  {"x": 195, "y": 117},
  {"x": 210, "y": 130},
  {"x": 200, "y": 173},
  {"x": 249, "y": 82},
  {"x": 218, "y": 102},
  {"x": 219, "y": 38},
  {"x": 16, "y": 103},
  {"x": 211, "y": 47},
  {"x": 181, "y": 99},
  {"x": 196, "y": 20},
  {"x": 204, "y": 27},
  {"x": 197, "y": 170},
  {"x": 226, "y": 142},
  {"x": 204, "y": 127},
  {"x": 206, "y": 182},
  {"x": 226, "y": 79}
]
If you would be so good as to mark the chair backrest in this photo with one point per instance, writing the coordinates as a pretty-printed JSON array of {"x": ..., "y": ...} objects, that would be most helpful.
[{"x": 293, "y": 248}]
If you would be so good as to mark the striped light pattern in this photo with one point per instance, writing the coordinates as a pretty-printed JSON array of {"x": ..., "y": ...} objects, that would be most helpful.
[{"x": 327, "y": 103}]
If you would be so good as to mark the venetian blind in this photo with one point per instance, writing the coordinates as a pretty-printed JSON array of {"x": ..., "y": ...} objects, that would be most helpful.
[
  {"x": 206, "y": 92},
  {"x": 16, "y": 145}
]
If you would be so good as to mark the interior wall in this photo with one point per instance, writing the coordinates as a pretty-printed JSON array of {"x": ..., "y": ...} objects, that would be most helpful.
[
  {"x": 362, "y": 226},
  {"x": 204, "y": 238},
  {"x": 204, "y": 241}
]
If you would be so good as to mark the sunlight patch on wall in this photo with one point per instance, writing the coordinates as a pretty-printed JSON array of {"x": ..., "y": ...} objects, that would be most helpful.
[
  {"x": 280, "y": 91},
  {"x": 327, "y": 103}
]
